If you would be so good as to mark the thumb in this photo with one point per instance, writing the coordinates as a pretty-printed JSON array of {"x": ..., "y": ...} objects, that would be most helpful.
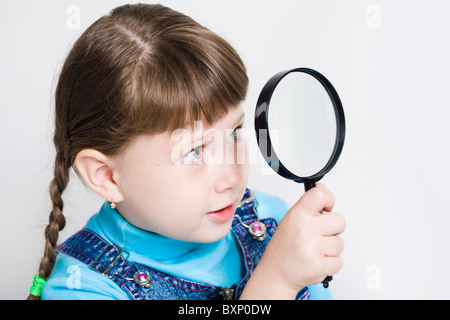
[{"x": 317, "y": 199}]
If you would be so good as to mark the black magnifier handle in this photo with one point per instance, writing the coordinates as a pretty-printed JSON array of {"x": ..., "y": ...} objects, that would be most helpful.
[{"x": 310, "y": 185}]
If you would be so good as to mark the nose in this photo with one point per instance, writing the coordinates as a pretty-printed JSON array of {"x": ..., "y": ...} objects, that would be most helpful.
[{"x": 228, "y": 176}]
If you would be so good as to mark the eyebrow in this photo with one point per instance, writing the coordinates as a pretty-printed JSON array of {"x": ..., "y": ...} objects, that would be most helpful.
[{"x": 241, "y": 117}]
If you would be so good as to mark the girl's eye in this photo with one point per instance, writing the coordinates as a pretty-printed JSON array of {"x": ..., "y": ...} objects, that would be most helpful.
[
  {"x": 194, "y": 156},
  {"x": 236, "y": 135}
]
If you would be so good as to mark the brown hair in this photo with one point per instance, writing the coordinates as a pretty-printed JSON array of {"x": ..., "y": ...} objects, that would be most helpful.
[{"x": 142, "y": 69}]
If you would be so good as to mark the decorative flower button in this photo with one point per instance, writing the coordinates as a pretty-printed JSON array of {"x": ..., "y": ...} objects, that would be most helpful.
[
  {"x": 143, "y": 278},
  {"x": 257, "y": 230}
]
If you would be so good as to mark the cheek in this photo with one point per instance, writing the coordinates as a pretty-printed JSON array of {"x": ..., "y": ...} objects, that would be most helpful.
[
  {"x": 147, "y": 190},
  {"x": 137, "y": 182},
  {"x": 168, "y": 196},
  {"x": 244, "y": 166},
  {"x": 168, "y": 211}
]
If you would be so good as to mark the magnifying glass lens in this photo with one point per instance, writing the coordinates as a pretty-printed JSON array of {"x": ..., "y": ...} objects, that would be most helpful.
[{"x": 302, "y": 124}]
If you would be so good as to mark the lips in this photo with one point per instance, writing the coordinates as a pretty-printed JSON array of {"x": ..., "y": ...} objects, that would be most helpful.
[{"x": 223, "y": 214}]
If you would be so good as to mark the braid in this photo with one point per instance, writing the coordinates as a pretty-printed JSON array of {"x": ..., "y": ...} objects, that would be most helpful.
[{"x": 56, "y": 221}]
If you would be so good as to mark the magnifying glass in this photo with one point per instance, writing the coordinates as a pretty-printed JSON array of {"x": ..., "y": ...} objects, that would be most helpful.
[{"x": 302, "y": 137}]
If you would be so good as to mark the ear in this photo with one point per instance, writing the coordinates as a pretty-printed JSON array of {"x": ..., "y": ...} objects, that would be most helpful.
[{"x": 97, "y": 172}]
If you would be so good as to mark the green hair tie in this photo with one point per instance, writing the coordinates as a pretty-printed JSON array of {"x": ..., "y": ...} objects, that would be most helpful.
[{"x": 36, "y": 288}]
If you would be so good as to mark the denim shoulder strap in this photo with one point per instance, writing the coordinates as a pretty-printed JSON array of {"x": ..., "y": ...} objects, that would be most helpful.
[{"x": 138, "y": 281}]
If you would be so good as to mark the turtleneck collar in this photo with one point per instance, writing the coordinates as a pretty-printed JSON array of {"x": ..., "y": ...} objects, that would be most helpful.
[{"x": 148, "y": 244}]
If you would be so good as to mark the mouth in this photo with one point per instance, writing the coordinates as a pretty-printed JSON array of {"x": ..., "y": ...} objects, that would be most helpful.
[{"x": 224, "y": 214}]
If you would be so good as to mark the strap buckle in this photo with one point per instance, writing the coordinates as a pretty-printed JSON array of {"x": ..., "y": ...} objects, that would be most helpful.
[
  {"x": 249, "y": 200},
  {"x": 141, "y": 276}
]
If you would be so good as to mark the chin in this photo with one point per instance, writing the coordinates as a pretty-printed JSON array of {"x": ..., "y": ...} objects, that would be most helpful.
[{"x": 214, "y": 234}]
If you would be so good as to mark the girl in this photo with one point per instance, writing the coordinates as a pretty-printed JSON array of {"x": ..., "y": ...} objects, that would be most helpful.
[{"x": 147, "y": 109}]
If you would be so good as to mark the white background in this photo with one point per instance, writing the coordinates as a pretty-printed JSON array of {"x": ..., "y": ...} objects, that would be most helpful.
[{"x": 389, "y": 62}]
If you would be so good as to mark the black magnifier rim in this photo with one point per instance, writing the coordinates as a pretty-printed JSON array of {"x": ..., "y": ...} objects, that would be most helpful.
[{"x": 262, "y": 117}]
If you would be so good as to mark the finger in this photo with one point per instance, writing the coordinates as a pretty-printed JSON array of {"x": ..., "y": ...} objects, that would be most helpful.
[
  {"x": 331, "y": 224},
  {"x": 317, "y": 199},
  {"x": 331, "y": 246}
]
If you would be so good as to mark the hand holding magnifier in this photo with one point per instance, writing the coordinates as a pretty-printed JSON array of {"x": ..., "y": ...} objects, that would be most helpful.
[{"x": 305, "y": 129}]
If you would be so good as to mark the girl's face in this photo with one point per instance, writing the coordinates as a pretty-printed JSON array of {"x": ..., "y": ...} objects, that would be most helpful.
[{"x": 185, "y": 184}]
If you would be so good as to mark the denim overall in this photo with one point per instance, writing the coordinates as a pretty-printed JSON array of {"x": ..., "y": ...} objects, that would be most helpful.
[{"x": 141, "y": 282}]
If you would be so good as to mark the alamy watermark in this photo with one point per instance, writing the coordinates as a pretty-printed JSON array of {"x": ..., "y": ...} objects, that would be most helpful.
[
  {"x": 373, "y": 281},
  {"x": 73, "y": 21},
  {"x": 373, "y": 21},
  {"x": 74, "y": 279}
]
